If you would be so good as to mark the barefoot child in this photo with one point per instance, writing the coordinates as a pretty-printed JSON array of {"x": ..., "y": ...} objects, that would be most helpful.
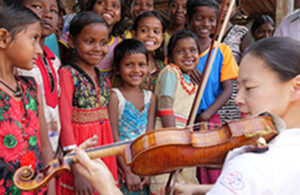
[
  {"x": 131, "y": 109},
  {"x": 84, "y": 95}
]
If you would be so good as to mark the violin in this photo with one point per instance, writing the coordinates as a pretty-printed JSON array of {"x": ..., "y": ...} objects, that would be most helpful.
[{"x": 179, "y": 147}]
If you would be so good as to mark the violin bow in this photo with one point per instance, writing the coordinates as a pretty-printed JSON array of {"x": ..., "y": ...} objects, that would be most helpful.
[
  {"x": 206, "y": 72},
  {"x": 210, "y": 61}
]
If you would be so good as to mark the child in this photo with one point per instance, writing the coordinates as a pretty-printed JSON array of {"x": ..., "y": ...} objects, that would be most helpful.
[
  {"x": 84, "y": 95},
  {"x": 262, "y": 27},
  {"x": 137, "y": 7},
  {"x": 131, "y": 109},
  {"x": 237, "y": 37},
  {"x": 149, "y": 28},
  {"x": 47, "y": 65},
  {"x": 24, "y": 140},
  {"x": 176, "y": 93},
  {"x": 177, "y": 14},
  {"x": 268, "y": 81},
  {"x": 202, "y": 15},
  {"x": 113, "y": 11}
]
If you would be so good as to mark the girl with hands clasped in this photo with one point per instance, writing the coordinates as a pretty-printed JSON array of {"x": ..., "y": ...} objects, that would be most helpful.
[
  {"x": 84, "y": 96},
  {"x": 131, "y": 109}
]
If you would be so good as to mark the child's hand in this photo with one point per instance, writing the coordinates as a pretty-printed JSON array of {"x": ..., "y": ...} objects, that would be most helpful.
[
  {"x": 145, "y": 182},
  {"x": 81, "y": 186},
  {"x": 196, "y": 76},
  {"x": 204, "y": 117},
  {"x": 133, "y": 182}
]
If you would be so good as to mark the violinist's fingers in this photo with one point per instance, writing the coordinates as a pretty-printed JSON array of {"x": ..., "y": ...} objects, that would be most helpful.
[
  {"x": 89, "y": 143},
  {"x": 92, "y": 167}
]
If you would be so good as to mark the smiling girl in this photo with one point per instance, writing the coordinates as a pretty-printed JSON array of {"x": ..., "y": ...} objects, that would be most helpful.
[
  {"x": 131, "y": 109},
  {"x": 84, "y": 96},
  {"x": 149, "y": 28}
]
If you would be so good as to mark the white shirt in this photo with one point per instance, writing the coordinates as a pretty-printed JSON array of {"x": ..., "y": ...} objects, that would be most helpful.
[
  {"x": 276, "y": 171},
  {"x": 289, "y": 26}
]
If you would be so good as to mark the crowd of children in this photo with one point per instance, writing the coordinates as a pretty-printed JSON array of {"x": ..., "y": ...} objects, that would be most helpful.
[{"x": 119, "y": 74}]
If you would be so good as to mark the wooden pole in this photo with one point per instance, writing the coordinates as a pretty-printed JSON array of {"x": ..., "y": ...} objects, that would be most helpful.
[{"x": 283, "y": 8}]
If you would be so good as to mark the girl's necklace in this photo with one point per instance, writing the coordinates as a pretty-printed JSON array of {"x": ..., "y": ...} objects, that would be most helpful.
[{"x": 17, "y": 92}]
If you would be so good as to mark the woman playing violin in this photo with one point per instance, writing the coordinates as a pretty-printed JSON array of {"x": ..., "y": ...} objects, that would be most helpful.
[{"x": 269, "y": 80}]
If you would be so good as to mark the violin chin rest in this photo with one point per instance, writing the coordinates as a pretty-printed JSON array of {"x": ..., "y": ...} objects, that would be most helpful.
[{"x": 259, "y": 149}]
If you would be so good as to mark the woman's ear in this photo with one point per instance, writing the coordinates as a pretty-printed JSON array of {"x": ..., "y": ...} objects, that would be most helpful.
[
  {"x": 71, "y": 41},
  {"x": 5, "y": 38},
  {"x": 296, "y": 88}
]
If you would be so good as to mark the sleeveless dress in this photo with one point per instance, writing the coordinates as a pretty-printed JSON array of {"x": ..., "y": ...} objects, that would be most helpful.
[
  {"x": 19, "y": 134},
  {"x": 132, "y": 123}
]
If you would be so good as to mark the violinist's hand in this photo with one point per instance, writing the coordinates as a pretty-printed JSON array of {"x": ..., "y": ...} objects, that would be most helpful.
[
  {"x": 196, "y": 76},
  {"x": 89, "y": 143},
  {"x": 96, "y": 173},
  {"x": 133, "y": 181}
]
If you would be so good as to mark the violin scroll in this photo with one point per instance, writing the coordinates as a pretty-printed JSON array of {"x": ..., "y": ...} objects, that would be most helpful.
[{"x": 27, "y": 180}]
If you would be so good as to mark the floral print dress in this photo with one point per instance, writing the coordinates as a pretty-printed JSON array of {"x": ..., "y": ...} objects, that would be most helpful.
[{"x": 19, "y": 134}]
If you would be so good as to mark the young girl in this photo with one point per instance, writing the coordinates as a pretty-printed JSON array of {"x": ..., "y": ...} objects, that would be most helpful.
[
  {"x": 46, "y": 67},
  {"x": 178, "y": 17},
  {"x": 113, "y": 11},
  {"x": 203, "y": 15},
  {"x": 262, "y": 27},
  {"x": 24, "y": 140},
  {"x": 131, "y": 109},
  {"x": 84, "y": 95},
  {"x": 268, "y": 81},
  {"x": 176, "y": 93},
  {"x": 149, "y": 28},
  {"x": 137, "y": 7}
]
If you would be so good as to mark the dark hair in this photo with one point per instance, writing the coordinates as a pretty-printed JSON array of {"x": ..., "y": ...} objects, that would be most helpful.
[
  {"x": 281, "y": 54},
  {"x": 263, "y": 19},
  {"x": 83, "y": 19},
  {"x": 16, "y": 19},
  {"x": 120, "y": 26},
  {"x": 127, "y": 47},
  {"x": 181, "y": 35},
  {"x": 158, "y": 53},
  {"x": 191, "y": 6}
]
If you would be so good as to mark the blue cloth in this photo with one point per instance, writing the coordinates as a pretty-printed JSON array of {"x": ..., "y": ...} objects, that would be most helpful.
[
  {"x": 213, "y": 87},
  {"x": 52, "y": 44}
]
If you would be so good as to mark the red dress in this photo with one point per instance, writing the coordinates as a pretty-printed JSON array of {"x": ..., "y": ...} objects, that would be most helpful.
[
  {"x": 83, "y": 111},
  {"x": 19, "y": 135}
]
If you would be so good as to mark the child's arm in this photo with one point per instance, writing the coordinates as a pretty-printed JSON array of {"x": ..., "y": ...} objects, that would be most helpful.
[
  {"x": 151, "y": 113},
  {"x": 132, "y": 181},
  {"x": 168, "y": 85},
  {"x": 218, "y": 103},
  {"x": 46, "y": 149},
  {"x": 67, "y": 137}
]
